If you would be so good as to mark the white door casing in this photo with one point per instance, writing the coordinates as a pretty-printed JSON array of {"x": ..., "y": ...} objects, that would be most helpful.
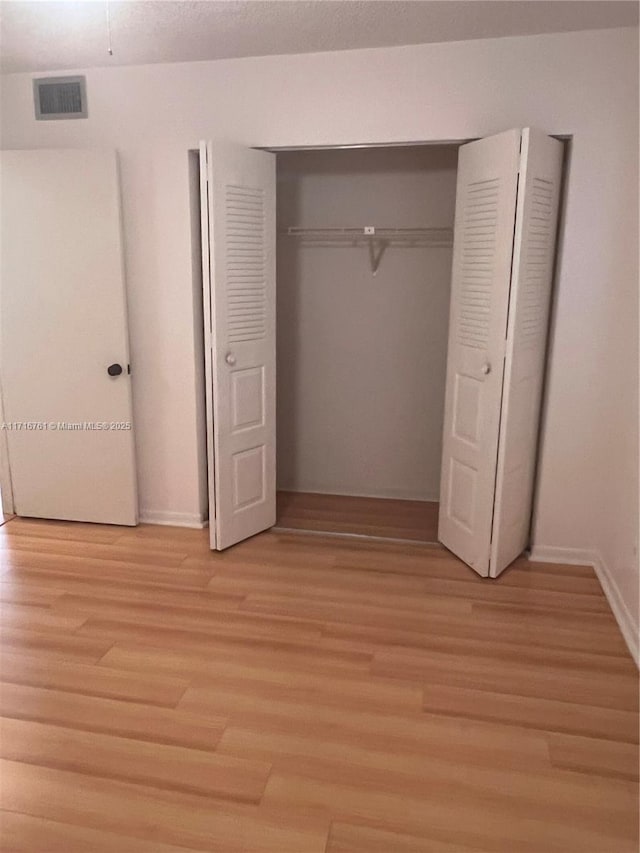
[
  {"x": 481, "y": 272},
  {"x": 205, "y": 235},
  {"x": 6, "y": 489},
  {"x": 530, "y": 297},
  {"x": 241, "y": 384},
  {"x": 63, "y": 322}
]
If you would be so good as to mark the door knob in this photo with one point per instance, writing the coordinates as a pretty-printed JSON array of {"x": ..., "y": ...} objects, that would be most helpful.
[
  {"x": 486, "y": 368},
  {"x": 114, "y": 369},
  {"x": 230, "y": 358}
]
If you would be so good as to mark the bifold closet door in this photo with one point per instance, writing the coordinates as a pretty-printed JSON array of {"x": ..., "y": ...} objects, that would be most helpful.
[
  {"x": 486, "y": 195},
  {"x": 530, "y": 297},
  {"x": 238, "y": 213},
  {"x": 504, "y": 240}
]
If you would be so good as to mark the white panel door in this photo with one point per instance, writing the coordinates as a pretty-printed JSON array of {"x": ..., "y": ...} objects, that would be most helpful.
[
  {"x": 241, "y": 188},
  {"x": 483, "y": 241},
  {"x": 533, "y": 259},
  {"x": 63, "y": 325}
]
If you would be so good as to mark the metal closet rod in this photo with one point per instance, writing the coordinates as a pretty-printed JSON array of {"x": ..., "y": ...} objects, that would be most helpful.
[
  {"x": 376, "y": 239},
  {"x": 370, "y": 231}
]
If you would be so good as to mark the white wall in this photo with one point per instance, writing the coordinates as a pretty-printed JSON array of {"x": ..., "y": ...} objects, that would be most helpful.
[
  {"x": 362, "y": 358},
  {"x": 585, "y": 84}
]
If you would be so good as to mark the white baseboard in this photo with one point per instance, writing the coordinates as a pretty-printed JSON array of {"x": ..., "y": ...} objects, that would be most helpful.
[
  {"x": 554, "y": 554},
  {"x": 591, "y": 557},
  {"x": 172, "y": 519}
]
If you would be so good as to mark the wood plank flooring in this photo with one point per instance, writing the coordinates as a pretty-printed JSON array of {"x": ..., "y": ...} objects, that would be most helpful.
[
  {"x": 305, "y": 694},
  {"x": 378, "y": 517}
]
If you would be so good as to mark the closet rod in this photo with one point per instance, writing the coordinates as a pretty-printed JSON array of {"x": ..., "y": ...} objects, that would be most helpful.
[
  {"x": 376, "y": 239},
  {"x": 444, "y": 235}
]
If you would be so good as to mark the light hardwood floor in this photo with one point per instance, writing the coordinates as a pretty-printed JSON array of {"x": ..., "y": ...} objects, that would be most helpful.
[
  {"x": 300, "y": 694},
  {"x": 379, "y": 517}
]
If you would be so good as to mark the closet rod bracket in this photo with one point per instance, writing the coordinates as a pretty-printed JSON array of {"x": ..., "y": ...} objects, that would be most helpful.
[{"x": 376, "y": 251}]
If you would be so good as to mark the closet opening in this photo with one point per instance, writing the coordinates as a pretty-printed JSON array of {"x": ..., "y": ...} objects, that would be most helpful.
[
  {"x": 363, "y": 265},
  {"x": 402, "y": 333}
]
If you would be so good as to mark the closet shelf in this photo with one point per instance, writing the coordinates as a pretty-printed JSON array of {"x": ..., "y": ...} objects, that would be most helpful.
[{"x": 376, "y": 239}]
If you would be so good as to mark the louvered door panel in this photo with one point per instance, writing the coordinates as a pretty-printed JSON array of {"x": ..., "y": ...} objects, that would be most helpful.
[
  {"x": 534, "y": 251},
  {"x": 479, "y": 235},
  {"x": 483, "y": 241},
  {"x": 537, "y": 259},
  {"x": 247, "y": 310},
  {"x": 241, "y": 388}
]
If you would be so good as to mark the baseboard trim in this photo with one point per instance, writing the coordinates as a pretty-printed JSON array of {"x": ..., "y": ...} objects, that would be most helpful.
[
  {"x": 592, "y": 557},
  {"x": 172, "y": 519},
  {"x": 570, "y": 556}
]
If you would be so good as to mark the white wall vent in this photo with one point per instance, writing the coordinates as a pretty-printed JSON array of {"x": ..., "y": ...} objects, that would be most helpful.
[{"x": 60, "y": 97}]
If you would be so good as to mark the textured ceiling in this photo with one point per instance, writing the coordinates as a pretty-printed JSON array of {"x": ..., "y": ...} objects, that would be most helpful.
[{"x": 39, "y": 36}]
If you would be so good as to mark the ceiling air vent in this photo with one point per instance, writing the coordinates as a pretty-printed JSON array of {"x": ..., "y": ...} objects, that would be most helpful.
[{"x": 60, "y": 97}]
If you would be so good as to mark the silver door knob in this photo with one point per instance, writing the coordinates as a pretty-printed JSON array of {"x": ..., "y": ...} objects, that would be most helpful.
[
  {"x": 230, "y": 358},
  {"x": 486, "y": 368}
]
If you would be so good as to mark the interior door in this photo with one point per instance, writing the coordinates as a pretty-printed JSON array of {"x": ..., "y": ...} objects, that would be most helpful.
[
  {"x": 64, "y": 350},
  {"x": 241, "y": 363},
  {"x": 533, "y": 260},
  {"x": 482, "y": 251}
]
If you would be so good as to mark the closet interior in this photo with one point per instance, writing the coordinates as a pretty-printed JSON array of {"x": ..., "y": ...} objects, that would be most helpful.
[{"x": 364, "y": 252}]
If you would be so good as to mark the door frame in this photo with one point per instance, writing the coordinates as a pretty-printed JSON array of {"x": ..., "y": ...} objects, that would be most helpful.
[
  {"x": 567, "y": 140},
  {"x": 6, "y": 484}
]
